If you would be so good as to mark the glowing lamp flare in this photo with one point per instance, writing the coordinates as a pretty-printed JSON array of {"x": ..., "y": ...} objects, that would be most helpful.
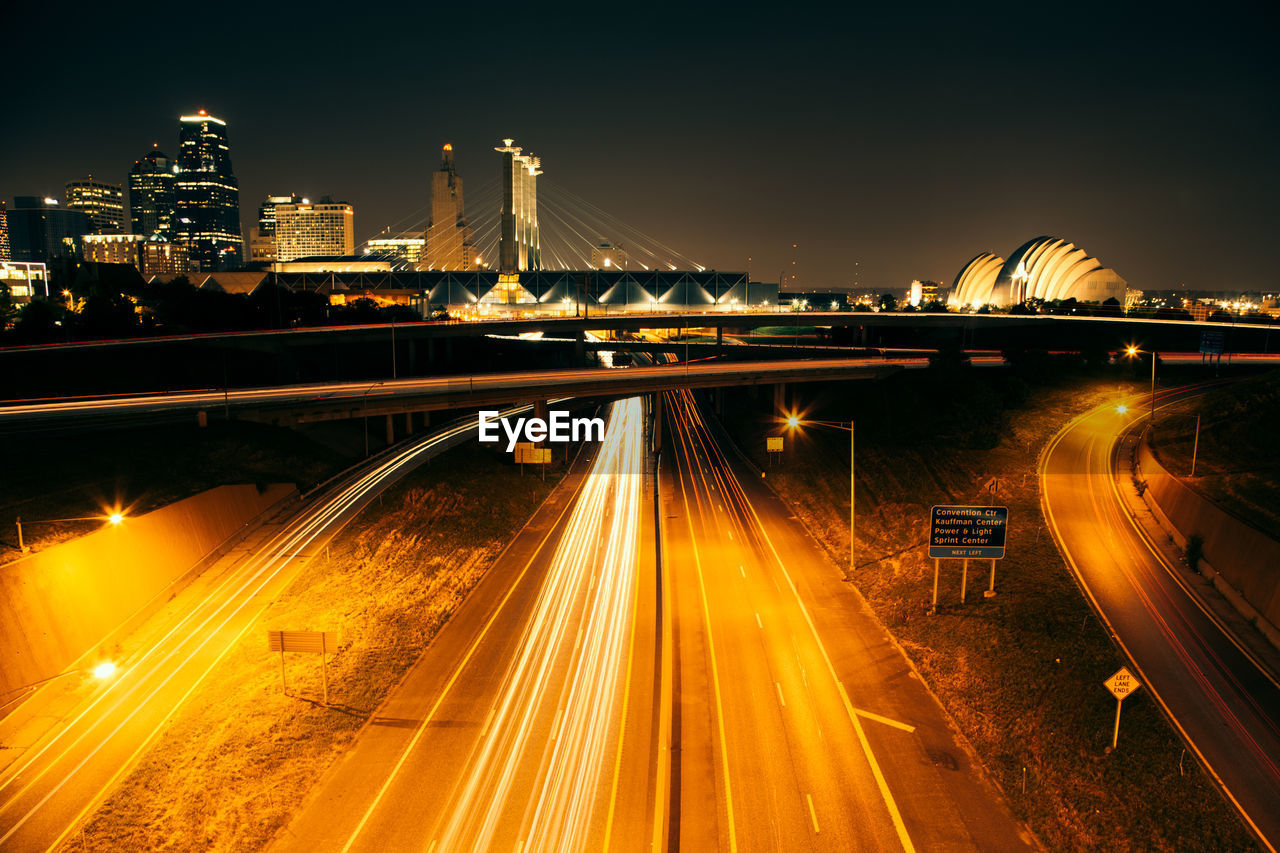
[
  {"x": 104, "y": 670},
  {"x": 1121, "y": 409},
  {"x": 115, "y": 518}
]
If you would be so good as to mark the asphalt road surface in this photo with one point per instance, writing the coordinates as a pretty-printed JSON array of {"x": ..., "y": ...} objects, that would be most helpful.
[
  {"x": 68, "y": 751},
  {"x": 798, "y": 724},
  {"x": 1223, "y": 704},
  {"x": 529, "y": 722}
]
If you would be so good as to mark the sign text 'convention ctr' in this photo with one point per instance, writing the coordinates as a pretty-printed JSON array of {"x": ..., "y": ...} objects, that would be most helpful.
[{"x": 968, "y": 532}]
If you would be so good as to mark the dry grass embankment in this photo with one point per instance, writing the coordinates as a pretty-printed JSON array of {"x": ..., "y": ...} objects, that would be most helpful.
[
  {"x": 1236, "y": 463},
  {"x": 231, "y": 768},
  {"x": 1020, "y": 673}
]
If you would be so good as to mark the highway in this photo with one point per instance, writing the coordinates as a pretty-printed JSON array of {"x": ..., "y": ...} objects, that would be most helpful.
[
  {"x": 797, "y": 723},
  {"x": 341, "y": 400},
  {"x": 1224, "y": 706},
  {"x": 357, "y": 399},
  {"x": 528, "y": 723},
  {"x": 68, "y": 757}
]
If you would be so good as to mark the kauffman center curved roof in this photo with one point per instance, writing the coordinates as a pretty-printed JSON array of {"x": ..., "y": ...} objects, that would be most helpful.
[{"x": 1045, "y": 268}]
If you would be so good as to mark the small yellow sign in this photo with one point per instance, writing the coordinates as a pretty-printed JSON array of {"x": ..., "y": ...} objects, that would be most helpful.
[{"x": 1122, "y": 684}]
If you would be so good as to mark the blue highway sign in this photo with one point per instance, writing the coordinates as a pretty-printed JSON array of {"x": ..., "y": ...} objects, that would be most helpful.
[{"x": 968, "y": 532}]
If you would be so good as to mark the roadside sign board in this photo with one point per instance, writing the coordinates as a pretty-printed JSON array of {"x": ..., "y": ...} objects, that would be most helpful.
[
  {"x": 1122, "y": 684},
  {"x": 1213, "y": 341},
  {"x": 525, "y": 452},
  {"x": 968, "y": 532},
  {"x": 315, "y": 642},
  {"x": 773, "y": 444}
]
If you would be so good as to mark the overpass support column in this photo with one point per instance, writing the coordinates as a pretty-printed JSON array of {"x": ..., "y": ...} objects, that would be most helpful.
[
  {"x": 408, "y": 423},
  {"x": 720, "y": 339},
  {"x": 656, "y": 398},
  {"x": 391, "y": 431},
  {"x": 780, "y": 397},
  {"x": 579, "y": 349},
  {"x": 717, "y": 395}
]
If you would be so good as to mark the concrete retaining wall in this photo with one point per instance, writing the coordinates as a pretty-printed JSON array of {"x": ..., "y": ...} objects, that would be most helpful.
[
  {"x": 1246, "y": 558},
  {"x": 59, "y": 604}
]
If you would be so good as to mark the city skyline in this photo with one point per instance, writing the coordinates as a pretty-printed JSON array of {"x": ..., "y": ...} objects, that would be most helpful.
[{"x": 900, "y": 146}]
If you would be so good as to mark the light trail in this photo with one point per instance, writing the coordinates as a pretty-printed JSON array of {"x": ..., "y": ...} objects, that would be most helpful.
[
  {"x": 594, "y": 572},
  {"x": 154, "y": 685}
]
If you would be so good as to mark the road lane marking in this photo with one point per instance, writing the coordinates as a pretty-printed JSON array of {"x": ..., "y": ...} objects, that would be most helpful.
[
  {"x": 744, "y": 571},
  {"x": 417, "y": 736},
  {"x": 778, "y": 684},
  {"x": 906, "y": 727},
  {"x": 715, "y": 670},
  {"x": 886, "y": 795},
  {"x": 813, "y": 814},
  {"x": 759, "y": 624}
]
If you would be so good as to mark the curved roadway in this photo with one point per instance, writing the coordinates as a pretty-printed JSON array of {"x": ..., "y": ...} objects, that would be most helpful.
[{"x": 1223, "y": 705}]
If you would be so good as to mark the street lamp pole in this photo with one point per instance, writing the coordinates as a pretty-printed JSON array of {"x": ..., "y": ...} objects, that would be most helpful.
[
  {"x": 113, "y": 518},
  {"x": 793, "y": 423},
  {"x": 1134, "y": 351}
]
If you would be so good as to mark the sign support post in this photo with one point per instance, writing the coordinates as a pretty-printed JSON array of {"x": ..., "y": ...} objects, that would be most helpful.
[
  {"x": 324, "y": 666},
  {"x": 967, "y": 533},
  {"x": 935, "y": 585},
  {"x": 1121, "y": 685}
]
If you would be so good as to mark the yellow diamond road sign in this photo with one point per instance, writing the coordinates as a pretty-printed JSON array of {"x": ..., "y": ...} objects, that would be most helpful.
[{"x": 1122, "y": 683}]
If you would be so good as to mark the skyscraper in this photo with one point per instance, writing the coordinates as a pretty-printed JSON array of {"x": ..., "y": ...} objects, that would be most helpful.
[
  {"x": 5, "y": 253},
  {"x": 519, "y": 247},
  {"x": 41, "y": 230},
  {"x": 151, "y": 201},
  {"x": 262, "y": 237},
  {"x": 323, "y": 229},
  {"x": 449, "y": 236},
  {"x": 207, "y": 195},
  {"x": 103, "y": 203}
]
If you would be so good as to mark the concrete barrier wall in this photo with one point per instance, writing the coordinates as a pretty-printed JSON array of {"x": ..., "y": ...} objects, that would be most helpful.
[
  {"x": 1247, "y": 558},
  {"x": 58, "y": 604}
]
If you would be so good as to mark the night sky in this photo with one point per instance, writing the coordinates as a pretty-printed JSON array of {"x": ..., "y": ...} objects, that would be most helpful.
[{"x": 903, "y": 139}]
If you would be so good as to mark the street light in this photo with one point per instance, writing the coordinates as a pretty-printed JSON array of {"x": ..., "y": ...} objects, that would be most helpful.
[
  {"x": 794, "y": 422},
  {"x": 113, "y": 519},
  {"x": 1133, "y": 352},
  {"x": 101, "y": 671}
]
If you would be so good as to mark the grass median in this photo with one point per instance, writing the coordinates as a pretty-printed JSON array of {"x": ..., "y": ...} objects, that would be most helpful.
[
  {"x": 230, "y": 770},
  {"x": 1021, "y": 673}
]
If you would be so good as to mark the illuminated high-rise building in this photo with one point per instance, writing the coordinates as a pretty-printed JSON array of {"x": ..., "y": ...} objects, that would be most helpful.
[
  {"x": 519, "y": 246},
  {"x": 6, "y": 254},
  {"x": 207, "y": 195},
  {"x": 151, "y": 200},
  {"x": 40, "y": 229},
  {"x": 262, "y": 237},
  {"x": 407, "y": 247},
  {"x": 324, "y": 229},
  {"x": 103, "y": 203},
  {"x": 449, "y": 236}
]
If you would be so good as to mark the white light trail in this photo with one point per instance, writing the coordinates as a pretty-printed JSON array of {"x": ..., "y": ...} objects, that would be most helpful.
[{"x": 590, "y": 583}]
